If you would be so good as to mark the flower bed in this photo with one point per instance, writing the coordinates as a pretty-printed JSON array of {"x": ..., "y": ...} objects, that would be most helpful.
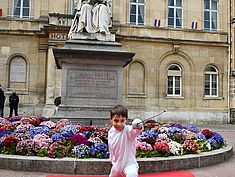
[{"x": 37, "y": 136}]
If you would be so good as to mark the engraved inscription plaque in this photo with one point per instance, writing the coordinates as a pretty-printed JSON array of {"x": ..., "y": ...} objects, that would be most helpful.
[
  {"x": 18, "y": 70},
  {"x": 89, "y": 83}
]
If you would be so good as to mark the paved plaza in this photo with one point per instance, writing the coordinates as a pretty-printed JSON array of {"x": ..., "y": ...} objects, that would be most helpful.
[{"x": 225, "y": 169}]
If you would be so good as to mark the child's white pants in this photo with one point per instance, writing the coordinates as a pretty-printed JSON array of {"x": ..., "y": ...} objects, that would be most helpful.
[{"x": 129, "y": 171}]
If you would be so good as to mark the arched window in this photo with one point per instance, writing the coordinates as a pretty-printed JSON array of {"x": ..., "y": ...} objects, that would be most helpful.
[
  {"x": 174, "y": 80},
  {"x": 211, "y": 81},
  {"x": 18, "y": 70}
]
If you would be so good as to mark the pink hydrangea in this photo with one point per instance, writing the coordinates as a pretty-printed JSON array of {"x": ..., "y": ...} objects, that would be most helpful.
[
  {"x": 42, "y": 141},
  {"x": 143, "y": 146},
  {"x": 49, "y": 124}
]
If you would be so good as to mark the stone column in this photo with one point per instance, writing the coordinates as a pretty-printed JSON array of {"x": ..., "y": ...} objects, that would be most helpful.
[{"x": 50, "y": 107}]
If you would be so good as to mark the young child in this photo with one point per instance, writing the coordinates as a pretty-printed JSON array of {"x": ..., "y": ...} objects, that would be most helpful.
[{"x": 122, "y": 143}]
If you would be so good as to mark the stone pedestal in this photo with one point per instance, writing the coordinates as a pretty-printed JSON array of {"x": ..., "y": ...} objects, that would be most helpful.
[{"x": 91, "y": 77}]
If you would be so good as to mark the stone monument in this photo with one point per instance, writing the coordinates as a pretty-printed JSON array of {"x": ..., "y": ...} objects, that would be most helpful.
[{"x": 92, "y": 66}]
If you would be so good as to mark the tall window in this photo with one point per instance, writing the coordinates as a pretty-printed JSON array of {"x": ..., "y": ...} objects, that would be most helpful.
[
  {"x": 210, "y": 15},
  {"x": 137, "y": 12},
  {"x": 174, "y": 80},
  {"x": 211, "y": 81},
  {"x": 21, "y": 8},
  {"x": 175, "y": 13}
]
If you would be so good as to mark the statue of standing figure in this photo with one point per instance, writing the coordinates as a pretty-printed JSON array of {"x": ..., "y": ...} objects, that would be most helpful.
[{"x": 92, "y": 16}]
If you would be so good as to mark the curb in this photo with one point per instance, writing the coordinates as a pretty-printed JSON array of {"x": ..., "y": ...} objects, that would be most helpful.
[{"x": 102, "y": 166}]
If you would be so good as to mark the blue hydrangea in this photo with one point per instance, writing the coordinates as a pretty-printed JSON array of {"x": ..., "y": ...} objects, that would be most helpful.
[
  {"x": 81, "y": 151},
  {"x": 148, "y": 134},
  {"x": 57, "y": 137},
  {"x": 216, "y": 140},
  {"x": 38, "y": 130},
  {"x": 192, "y": 128},
  {"x": 218, "y": 137},
  {"x": 87, "y": 133},
  {"x": 176, "y": 125},
  {"x": 201, "y": 136},
  {"x": 66, "y": 134},
  {"x": 173, "y": 130},
  {"x": 4, "y": 121},
  {"x": 100, "y": 151},
  {"x": 69, "y": 130},
  {"x": 213, "y": 142}
]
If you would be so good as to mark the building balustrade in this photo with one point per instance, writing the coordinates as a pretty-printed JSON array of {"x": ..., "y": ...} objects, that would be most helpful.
[{"x": 60, "y": 19}]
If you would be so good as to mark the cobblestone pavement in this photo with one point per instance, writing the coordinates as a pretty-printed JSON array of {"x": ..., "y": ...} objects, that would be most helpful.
[{"x": 225, "y": 169}]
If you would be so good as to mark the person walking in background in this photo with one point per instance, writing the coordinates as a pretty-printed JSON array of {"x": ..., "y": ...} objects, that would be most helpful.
[
  {"x": 2, "y": 101},
  {"x": 14, "y": 101}
]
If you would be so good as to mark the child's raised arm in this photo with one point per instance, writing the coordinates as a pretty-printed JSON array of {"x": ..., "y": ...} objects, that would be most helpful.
[{"x": 137, "y": 124}]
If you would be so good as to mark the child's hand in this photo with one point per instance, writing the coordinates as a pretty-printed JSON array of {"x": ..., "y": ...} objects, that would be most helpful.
[{"x": 137, "y": 124}]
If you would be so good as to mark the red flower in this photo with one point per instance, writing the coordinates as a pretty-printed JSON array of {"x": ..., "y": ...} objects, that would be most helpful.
[
  {"x": 86, "y": 128},
  {"x": 207, "y": 133},
  {"x": 10, "y": 140},
  {"x": 162, "y": 147}
]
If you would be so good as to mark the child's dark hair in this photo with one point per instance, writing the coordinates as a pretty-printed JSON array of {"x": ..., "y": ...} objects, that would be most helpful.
[{"x": 119, "y": 110}]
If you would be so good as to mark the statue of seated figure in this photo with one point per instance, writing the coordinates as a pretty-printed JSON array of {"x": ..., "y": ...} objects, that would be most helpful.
[{"x": 92, "y": 16}]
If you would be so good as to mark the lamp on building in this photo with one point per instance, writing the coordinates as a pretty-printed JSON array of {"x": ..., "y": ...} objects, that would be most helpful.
[{"x": 176, "y": 48}]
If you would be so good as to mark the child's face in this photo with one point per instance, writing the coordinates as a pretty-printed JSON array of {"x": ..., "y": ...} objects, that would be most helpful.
[{"x": 118, "y": 122}]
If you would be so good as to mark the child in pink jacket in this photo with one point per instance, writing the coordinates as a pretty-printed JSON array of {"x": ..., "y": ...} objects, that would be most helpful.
[{"x": 122, "y": 143}]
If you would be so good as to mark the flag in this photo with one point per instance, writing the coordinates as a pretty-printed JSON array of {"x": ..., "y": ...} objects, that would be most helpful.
[
  {"x": 194, "y": 25},
  {"x": 157, "y": 23}
]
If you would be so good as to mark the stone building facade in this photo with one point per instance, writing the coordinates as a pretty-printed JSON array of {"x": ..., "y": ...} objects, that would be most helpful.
[
  {"x": 232, "y": 63},
  {"x": 182, "y": 63}
]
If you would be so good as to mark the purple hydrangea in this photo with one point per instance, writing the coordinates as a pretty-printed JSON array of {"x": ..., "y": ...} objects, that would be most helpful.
[
  {"x": 79, "y": 139},
  {"x": 5, "y": 133}
]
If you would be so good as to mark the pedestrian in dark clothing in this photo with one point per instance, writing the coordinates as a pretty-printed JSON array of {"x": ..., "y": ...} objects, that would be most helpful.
[
  {"x": 14, "y": 101},
  {"x": 2, "y": 101}
]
